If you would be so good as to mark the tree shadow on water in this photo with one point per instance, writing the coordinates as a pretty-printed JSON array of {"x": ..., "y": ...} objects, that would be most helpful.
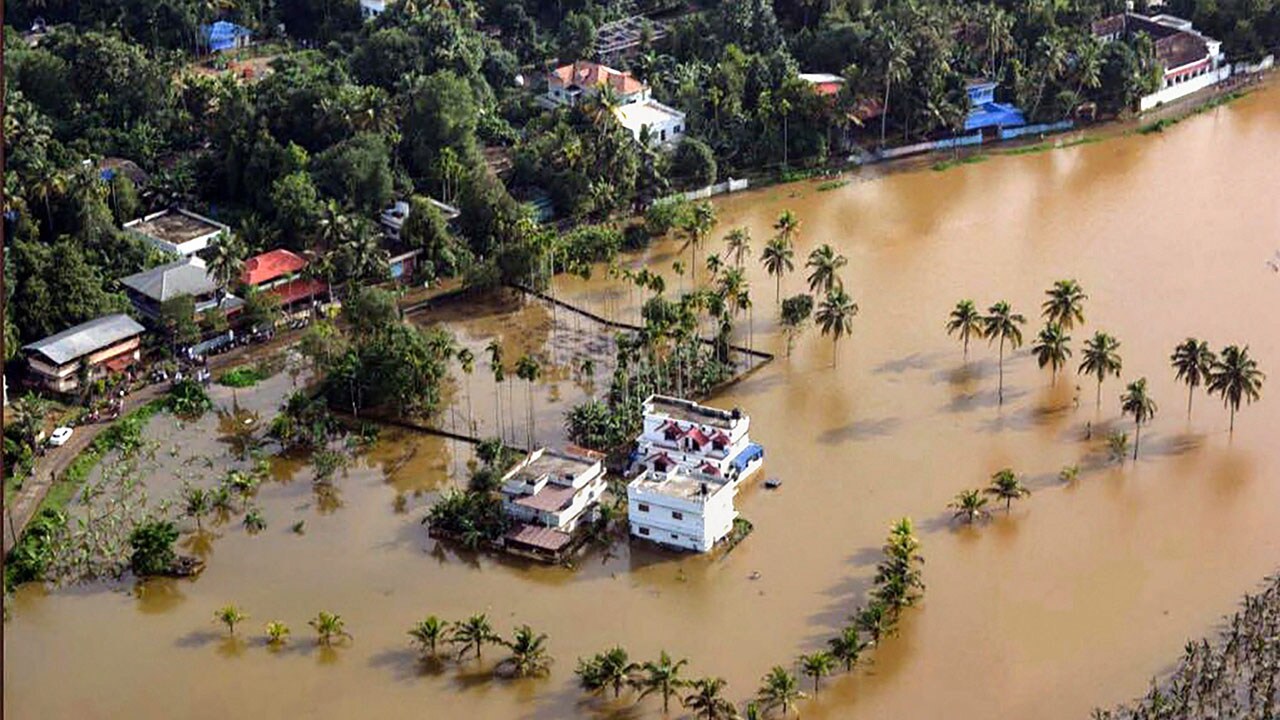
[
  {"x": 860, "y": 430},
  {"x": 907, "y": 363}
]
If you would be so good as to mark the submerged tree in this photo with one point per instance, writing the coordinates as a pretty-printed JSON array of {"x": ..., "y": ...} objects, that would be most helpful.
[
  {"x": 1002, "y": 324},
  {"x": 778, "y": 258},
  {"x": 965, "y": 322},
  {"x": 707, "y": 700},
  {"x": 1065, "y": 304},
  {"x": 529, "y": 654},
  {"x": 1051, "y": 348},
  {"x": 1193, "y": 361},
  {"x": 1236, "y": 377},
  {"x": 609, "y": 669},
  {"x": 230, "y": 615},
  {"x": 1006, "y": 486},
  {"x": 429, "y": 633},
  {"x": 1100, "y": 358},
  {"x": 663, "y": 677},
  {"x": 816, "y": 665},
  {"x": 1138, "y": 403},
  {"x": 472, "y": 634},
  {"x": 824, "y": 264},
  {"x": 329, "y": 627},
  {"x": 779, "y": 690},
  {"x": 969, "y": 506},
  {"x": 277, "y": 633},
  {"x": 835, "y": 318}
]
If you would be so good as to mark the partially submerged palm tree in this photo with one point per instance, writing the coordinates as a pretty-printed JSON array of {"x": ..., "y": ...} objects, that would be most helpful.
[
  {"x": 329, "y": 627},
  {"x": 778, "y": 258},
  {"x": 429, "y": 633},
  {"x": 966, "y": 322},
  {"x": 835, "y": 318},
  {"x": 816, "y": 665},
  {"x": 738, "y": 244},
  {"x": 1006, "y": 486},
  {"x": 472, "y": 634},
  {"x": 1051, "y": 348},
  {"x": 230, "y": 615},
  {"x": 277, "y": 633},
  {"x": 663, "y": 677},
  {"x": 707, "y": 700},
  {"x": 1136, "y": 402},
  {"x": 847, "y": 647},
  {"x": 1235, "y": 376},
  {"x": 1118, "y": 446},
  {"x": 969, "y": 506},
  {"x": 779, "y": 690},
  {"x": 1002, "y": 324},
  {"x": 824, "y": 263},
  {"x": 1193, "y": 360},
  {"x": 1065, "y": 304},
  {"x": 529, "y": 655},
  {"x": 609, "y": 669},
  {"x": 1069, "y": 474},
  {"x": 1100, "y": 359}
]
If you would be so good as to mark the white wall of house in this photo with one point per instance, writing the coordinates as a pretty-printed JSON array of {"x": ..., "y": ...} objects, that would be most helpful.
[
  {"x": 1182, "y": 88},
  {"x": 695, "y": 525}
]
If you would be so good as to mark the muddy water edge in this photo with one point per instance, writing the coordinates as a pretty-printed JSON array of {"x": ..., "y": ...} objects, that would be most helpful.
[{"x": 1074, "y": 599}]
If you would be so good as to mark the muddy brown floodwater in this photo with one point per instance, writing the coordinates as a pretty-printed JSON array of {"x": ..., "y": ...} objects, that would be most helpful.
[{"x": 1074, "y": 600}]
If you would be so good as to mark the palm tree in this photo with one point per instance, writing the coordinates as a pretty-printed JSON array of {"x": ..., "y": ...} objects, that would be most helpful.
[
  {"x": 196, "y": 503},
  {"x": 1138, "y": 403},
  {"x": 896, "y": 56},
  {"x": 1051, "y": 348},
  {"x": 494, "y": 348},
  {"x": 27, "y": 415},
  {"x": 1003, "y": 324},
  {"x": 1065, "y": 305},
  {"x": 847, "y": 647},
  {"x": 528, "y": 653},
  {"x": 714, "y": 265},
  {"x": 817, "y": 664},
  {"x": 1100, "y": 358},
  {"x": 965, "y": 322},
  {"x": 835, "y": 318},
  {"x": 612, "y": 668},
  {"x": 472, "y": 634},
  {"x": 696, "y": 227},
  {"x": 528, "y": 369},
  {"x": 825, "y": 262},
  {"x": 329, "y": 626},
  {"x": 429, "y": 633},
  {"x": 738, "y": 244},
  {"x": 779, "y": 690},
  {"x": 1235, "y": 376},
  {"x": 969, "y": 506},
  {"x": 662, "y": 676},
  {"x": 1193, "y": 360},
  {"x": 788, "y": 226},
  {"x": 1006, "y": 486},
  {"x": 874, "y": 620},
  {"x": 230, "y": 616},
  {"x": 226, "y": 260},
  {"x": 467, "y": 361},
  {"x": 707, "y": 700},
  {"x": 778, "y": 260},
  {"x": 277, "y": 633}
]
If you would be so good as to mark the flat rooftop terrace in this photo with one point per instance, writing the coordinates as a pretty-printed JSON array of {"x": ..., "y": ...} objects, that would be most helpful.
[
  {"x": 174, "y": 226},
  {"x": 689, "y": 411},
  {"x": 554, "y": 464},
  {"x": 677, "y": 484}
]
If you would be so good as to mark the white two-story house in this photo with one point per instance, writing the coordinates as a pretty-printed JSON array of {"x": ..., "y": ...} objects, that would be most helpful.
[
  {"x": 547, "y": 495},
  {"x": 691, "y": 459},
  {"x": 634, "y": 106}
]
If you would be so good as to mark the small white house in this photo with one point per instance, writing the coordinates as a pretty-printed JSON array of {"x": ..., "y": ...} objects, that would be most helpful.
[
  {"x": 552, "y": 490},
  {"x": 681, "y": 509},
  {"x": 370, "y": 9},
  {"x": 666, "y": 125},
  {"x": 177, "y": 231}
]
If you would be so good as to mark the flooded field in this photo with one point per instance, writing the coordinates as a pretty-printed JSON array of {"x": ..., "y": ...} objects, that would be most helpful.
[{"x": 1074, "y": 599}]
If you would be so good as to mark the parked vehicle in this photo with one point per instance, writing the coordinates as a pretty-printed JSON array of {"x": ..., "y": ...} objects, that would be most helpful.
[{"x": 60, "y": 436}]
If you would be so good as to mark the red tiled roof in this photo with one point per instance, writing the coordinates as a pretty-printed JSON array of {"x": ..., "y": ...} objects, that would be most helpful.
[
  {"x": 271, "y": 265},
  {"x": 538, "y": 537},
  {"x": 827, "y": 88},
  {"x": 585, "y": 73},
  {"x": 710, "y": 469},
  {"x": 549, "y": 499},
  {"x": 698, "y": 436},
  {"x": 865, "y": 109},
  {"x": 720, "y": 437},
  {"x": 298, "y": 290}
]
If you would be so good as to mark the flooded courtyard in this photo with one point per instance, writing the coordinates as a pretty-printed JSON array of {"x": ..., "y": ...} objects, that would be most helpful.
[{"x": 1072, "y": 600}]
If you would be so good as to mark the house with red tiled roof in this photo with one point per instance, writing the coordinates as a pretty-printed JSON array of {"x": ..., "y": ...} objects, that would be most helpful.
[
  {"x": 1189, "y": 61},
  {"x": 636, "y": 110},
  {"x": 280, "y": 272}
]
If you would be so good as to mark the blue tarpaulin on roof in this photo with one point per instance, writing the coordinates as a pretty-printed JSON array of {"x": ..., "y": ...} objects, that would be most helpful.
[
  {"x": 752, "y": 452},
  {"x": 224, "y": 35},
  {"x": 994, "y": 115}
]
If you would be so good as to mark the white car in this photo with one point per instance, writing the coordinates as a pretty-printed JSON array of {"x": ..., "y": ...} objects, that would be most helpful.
[{"x": 60, "y": 437}]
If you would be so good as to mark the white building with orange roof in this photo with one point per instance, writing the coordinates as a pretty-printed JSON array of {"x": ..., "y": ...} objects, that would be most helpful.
[{"x": 635, "y": 108}]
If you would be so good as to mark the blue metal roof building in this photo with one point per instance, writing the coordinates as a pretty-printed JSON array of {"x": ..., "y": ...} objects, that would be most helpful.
[
  {"x": 985, "y": 112},
  {"x": 224, "y": 35}
]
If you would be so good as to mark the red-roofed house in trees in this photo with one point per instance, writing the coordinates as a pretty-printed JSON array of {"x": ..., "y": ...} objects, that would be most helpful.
[{"x": 280, "y": 272}]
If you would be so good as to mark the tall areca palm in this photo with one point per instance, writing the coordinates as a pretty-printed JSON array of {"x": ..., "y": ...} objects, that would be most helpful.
[
  {"x": 1100, "y": 358},
  {"x": 738, "y": 244},
  {"x": 835, "y": 318},
  {"x": 817, "y": 664},
  {"x": 472, "y": 634},
  {"x": 969, "y": 506},
  {"x": 429, "y": 633},
  {"x": 663, "y": 677},
  {"x": 896, "y": 56},
  {"x": 529, "y": 370},
  {"x": 1065, "y": 304},
  {"x": 1136, "y": 402},
  {"x": 707, "y": 700},
  {"x": 1006, "y": 486},
  {"x": 824, "y": 262},
  {"x": 965, "y": 321},
  {"x": 779, "y": 690},
  {"x": 1235, "y": 376},
  {"x": 1193, "y": 360},
  {"x": 1003, "y": 324},
  {"x": 528, "y": 653},
  {"x": 697, "y": 226},
  {"x": 778, "y": 258},
  {"x": 847, "y": 647},
  {"x": 467, "y": 361},
  {"x": 1051, "y": 348},
  {"x": 494, "y": 348}
]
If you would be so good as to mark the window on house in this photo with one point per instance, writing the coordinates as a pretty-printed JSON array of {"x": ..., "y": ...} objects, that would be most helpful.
[
  {"x": 643, "y": 507},
  {"x": 644, "y": 531},
  {"x": 677, "y": 515},
  {"x": 675, "y": 536}
]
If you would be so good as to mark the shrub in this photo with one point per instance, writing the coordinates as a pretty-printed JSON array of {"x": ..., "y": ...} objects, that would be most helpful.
[
  {"x": 241, "y": 377},
  {"x": 152, "y": 543}
]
